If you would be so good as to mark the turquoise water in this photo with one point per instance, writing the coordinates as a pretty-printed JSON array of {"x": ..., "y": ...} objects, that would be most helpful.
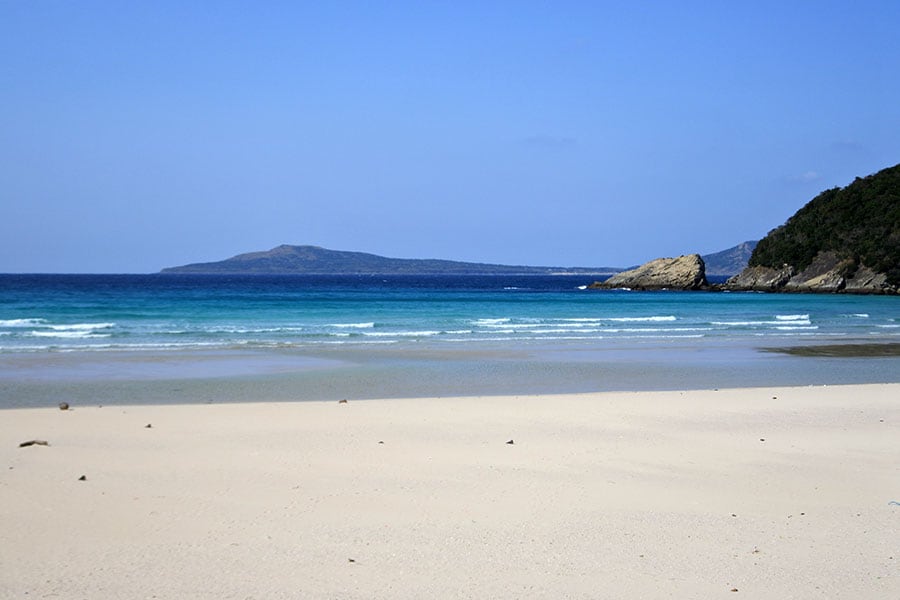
[
  {"x": 380, "y": 336},
  {"x": 68, "y": 313}
]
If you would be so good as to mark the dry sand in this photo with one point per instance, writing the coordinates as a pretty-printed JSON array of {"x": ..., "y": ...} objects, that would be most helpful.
[{"x": 774, "y": 493}]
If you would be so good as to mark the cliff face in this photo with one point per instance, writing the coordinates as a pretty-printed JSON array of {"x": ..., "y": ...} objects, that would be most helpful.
[{"x": 682, "y": 273}]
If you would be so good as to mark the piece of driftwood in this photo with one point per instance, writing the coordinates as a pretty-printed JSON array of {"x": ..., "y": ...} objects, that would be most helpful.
[{"x": 34, "y": 443}]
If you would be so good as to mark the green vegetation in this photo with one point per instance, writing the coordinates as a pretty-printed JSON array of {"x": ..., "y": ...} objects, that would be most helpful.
[{"x": 859, "y": 222}]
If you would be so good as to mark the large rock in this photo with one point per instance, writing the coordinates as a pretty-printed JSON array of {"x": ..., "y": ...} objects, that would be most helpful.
[
  {"x": 760, "y": 279},
  {"x": 826, "y": 273},
  {"x": 867, "y": 281},
  {"x": 682, "y": 273}
]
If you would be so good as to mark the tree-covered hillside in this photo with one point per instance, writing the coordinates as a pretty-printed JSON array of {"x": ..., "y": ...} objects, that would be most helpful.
[{"x": 859, "y": 222}]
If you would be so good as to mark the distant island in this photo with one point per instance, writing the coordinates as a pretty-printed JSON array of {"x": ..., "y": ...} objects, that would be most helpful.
[{"x": 313, "y": 260}]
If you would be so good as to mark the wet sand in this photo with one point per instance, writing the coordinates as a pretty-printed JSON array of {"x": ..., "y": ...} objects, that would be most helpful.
[
  {"x": 772, "y": 492},
  {"x": 842, "y": 350}
]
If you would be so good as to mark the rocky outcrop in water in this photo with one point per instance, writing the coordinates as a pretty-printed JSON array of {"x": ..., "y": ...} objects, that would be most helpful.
[
  {"x": 760, "y": 279},
  {"x": 865, "y": 280},
  {"x": 682, "y": 273},
  {"x": 828, "y": 272}
]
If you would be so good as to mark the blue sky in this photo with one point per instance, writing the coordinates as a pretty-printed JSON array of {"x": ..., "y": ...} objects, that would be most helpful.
[{"x": 140, "y": 135}]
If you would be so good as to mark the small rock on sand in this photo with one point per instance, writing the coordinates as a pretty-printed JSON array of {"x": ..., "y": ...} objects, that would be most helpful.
[
  {"x": 34, "y": 443},
  {"x": 63, "y": 406}
]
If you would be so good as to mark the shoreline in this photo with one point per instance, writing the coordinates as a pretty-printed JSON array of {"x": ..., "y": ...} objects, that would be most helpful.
[
  {"x": 418, "y": 370},
  {"x": 83, "y": 381},
  {"x": 772, "y": 491}
]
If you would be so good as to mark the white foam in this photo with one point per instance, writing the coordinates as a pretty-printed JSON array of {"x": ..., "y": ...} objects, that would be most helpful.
[
  {"x": 759, "y": 323},
  {"x": 792, "y": 317},
  {"x": 69, "y": 334},
  {"x": 353, "y": 325},
  {"x": 516, "y": 325},
  {"x": 243, "y": 330},
  {"x": 570, "y": 322},
  {"x": 573, "y": 326},
  {"x": 22, "y": 322},
  {"x": 487, "y": 322},
  {"x": 642, "y": 319},
  {"x": 662, "y": 337},
  {"x": 655, "y": 329},
  {"x": 565, "y": 330},
  {"x": 116, "y": 347},
  {"x": 82, "y": 326},
  {"x": 402, "y": 334},
  {"x": 858, "y": 315}
]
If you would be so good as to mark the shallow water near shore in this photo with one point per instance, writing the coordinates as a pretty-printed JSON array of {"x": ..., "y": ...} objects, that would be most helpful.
[
  {"x": 238, "y": 376},
  {"x": 176, "y": 339}
]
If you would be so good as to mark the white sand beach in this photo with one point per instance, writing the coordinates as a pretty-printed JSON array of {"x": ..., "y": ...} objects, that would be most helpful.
[{"x": 758, "y": 493}]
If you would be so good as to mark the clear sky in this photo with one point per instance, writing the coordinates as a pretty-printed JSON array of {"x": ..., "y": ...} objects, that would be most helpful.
[{"x": 140, "y": 135}]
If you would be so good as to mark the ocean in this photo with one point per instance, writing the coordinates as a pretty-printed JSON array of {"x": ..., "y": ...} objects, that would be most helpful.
[{"x": 180, "y": 338}]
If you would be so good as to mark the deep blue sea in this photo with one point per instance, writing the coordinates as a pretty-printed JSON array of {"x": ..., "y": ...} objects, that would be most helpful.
[{"x": 375, "y": 336}]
